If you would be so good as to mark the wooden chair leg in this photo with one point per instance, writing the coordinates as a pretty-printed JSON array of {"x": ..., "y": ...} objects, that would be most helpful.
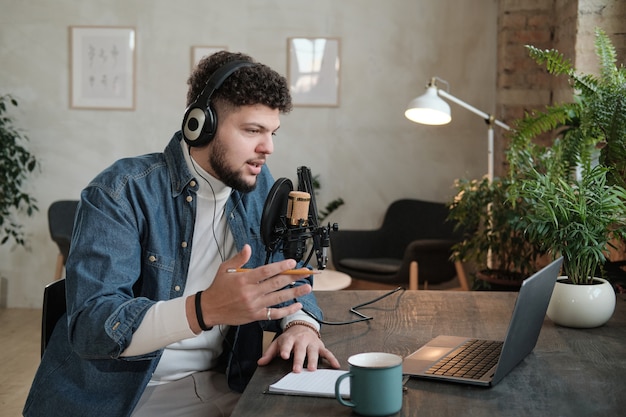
[
  {"x": 460, "y": 272},
  {"x": 58, "y": 270},
  {"x": 413, "y": 279}
]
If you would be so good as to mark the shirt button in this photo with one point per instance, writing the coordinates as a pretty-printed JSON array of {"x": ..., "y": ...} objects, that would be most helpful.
[
  {"x": 116, "y": 325},
  {"x": 184, "y": 244},
  {"x": 189, "y": 199},
  {"x": 177, "y": 288},
  {"x": 192, "y": 183},
  {"x": 152, "y": 258}
]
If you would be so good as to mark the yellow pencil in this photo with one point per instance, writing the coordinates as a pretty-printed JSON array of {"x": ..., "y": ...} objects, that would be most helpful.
[{"x": 287, "y": 272}]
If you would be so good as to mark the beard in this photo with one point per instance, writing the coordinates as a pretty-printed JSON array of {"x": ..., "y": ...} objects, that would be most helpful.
[{"x": 230, "y": 177}]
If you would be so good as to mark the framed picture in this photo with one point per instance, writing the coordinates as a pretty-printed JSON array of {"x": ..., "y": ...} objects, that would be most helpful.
[
  {"x": 313, "y": 68},
  {"x": 102, "y": 67},
  {"x": 199, "y": 52}
]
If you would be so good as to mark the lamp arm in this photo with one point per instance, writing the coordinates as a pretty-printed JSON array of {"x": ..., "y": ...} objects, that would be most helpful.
[
  {"x": 490, "y": 119},
  {"x": 501, "y": 124},
  {"x": 487, "y": 117}
]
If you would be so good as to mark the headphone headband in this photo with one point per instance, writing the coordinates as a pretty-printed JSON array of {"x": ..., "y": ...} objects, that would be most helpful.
[{"x": 200, "y": 120}]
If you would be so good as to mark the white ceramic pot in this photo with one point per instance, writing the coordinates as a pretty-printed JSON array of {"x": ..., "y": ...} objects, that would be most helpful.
[{"x": 582, "y": 306}]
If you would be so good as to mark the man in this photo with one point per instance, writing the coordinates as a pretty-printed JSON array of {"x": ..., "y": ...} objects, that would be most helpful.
[{"x": 159, "y": 322}]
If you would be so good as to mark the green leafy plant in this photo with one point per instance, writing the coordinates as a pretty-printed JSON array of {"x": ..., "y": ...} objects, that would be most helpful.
[
  {"x": 576, "y": 219},
  {"x": 331, "y": 206},
  {"x": 574, "y": 190},
  {"x": 493, "y": 238},
  {"x": 594, "y": 125},
  {"x": 514, "y": 219},
  {"x": 16, "y": 164}
]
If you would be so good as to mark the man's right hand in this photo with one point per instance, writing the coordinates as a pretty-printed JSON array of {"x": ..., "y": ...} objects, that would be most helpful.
[{"x": 236, "y": 298}]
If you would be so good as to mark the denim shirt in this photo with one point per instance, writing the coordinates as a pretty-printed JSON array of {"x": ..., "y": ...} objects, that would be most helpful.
[{"x": 130, "y": 248}]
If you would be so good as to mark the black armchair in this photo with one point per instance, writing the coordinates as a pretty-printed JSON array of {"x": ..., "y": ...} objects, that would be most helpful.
[{"x": 413, "y": 246}]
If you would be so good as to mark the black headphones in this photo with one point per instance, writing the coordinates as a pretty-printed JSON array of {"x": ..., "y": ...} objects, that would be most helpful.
[{"x": 200, "y": 121}]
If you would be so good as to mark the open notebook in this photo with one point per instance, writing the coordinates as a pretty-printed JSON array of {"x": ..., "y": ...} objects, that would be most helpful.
[
  {"x": 320, "y": 383},
  {"x": 444, "y": 357}
]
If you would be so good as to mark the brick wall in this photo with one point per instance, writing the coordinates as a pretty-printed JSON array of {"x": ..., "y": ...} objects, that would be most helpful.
[
  {"x": 567, "y": 25},
  {"x": 610, "y": 15}
]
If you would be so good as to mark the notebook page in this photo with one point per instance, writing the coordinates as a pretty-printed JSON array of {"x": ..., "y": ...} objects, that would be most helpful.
[{"x": 320, "y": 383}]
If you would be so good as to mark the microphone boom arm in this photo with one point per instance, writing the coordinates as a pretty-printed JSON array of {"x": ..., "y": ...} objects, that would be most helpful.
[{"x": 320, "y": 235}]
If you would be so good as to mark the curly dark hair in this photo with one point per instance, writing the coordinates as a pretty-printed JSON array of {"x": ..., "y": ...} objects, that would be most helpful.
[{"x": 257, "y": 84}]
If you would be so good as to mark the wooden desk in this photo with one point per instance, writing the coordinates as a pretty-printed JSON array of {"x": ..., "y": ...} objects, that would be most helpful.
[{"x": 571, "y": 372}]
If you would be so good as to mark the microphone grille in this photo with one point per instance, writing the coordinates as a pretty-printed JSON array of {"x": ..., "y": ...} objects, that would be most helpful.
[{"x": 298, "y": 208}]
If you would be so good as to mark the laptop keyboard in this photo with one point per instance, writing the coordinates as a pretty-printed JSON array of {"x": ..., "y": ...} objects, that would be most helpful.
[{"x": 473, "y": 359}]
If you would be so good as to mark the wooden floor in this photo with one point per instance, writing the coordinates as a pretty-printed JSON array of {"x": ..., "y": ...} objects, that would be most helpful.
[{"x": 19, "y": 356}]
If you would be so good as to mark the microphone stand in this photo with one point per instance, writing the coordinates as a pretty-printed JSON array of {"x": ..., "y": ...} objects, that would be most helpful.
[{"x": 294, "y": 238}]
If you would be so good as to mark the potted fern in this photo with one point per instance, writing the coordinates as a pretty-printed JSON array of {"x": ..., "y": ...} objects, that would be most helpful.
[
  {"x": 16, "y": 164},
  {"x": 492, "y": 234},
  {"x": 576, "y": 219},
  {"x": 574, "y": 189}
]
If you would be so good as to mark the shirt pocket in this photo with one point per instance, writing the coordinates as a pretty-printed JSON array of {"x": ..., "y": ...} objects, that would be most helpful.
[
  {"x": 157, "y": 262},
  {"x": 157, "y": 277}
]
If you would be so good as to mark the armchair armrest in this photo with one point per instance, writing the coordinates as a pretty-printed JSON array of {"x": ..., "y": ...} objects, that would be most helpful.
[
  {"x": 419, "y": 248},
  {"x": 432, "y": 256}
]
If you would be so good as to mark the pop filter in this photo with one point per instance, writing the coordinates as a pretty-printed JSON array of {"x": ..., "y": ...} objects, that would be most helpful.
[{"x": 273, "y": 225}]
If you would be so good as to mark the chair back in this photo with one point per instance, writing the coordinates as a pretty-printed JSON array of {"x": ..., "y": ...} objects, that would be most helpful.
[
  {"x": 53, "y": 309},
  {"x": 407, "y": 220},
  {"x": 61, "y": 224}
]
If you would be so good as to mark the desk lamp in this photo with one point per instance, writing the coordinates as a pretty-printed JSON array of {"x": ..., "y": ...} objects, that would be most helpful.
[{"x": 430, "y": 109}]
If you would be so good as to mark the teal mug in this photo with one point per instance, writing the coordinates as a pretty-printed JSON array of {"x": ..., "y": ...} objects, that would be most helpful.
[{"x": 375, "y": 384}]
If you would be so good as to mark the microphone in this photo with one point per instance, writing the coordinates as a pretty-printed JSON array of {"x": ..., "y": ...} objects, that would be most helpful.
[
  {"x": 294, "y": 244},
  {"x": 289, "y": 219}
]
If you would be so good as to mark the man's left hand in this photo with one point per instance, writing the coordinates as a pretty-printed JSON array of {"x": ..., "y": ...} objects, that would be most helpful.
[{"x": 303, "y": 343}]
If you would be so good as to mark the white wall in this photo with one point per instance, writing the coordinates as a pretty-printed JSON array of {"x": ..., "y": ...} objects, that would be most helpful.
[{"x": 365, "y": 150}]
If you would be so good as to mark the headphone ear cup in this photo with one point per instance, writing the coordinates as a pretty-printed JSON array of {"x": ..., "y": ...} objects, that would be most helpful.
[
  {"x": 210, "y": 124},
  {"x": 198, "y": 126}
]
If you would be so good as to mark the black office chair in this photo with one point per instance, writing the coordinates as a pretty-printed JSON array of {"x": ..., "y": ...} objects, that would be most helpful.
[
  {"x": 61, "y": 223},
  {"x": 53, "y": 309},
  {"x": 412, "y": 247}
]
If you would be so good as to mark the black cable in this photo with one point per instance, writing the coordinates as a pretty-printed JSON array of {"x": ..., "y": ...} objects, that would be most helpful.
[
  {"x": 308, "y": 259},
  {"x": 219, "y": 250},
  {"x": 354, "y": 311}
]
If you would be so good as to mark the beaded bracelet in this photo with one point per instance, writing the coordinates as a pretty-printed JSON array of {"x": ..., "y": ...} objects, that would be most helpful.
[
  {"x": 201, "y": 322},
  {"x": 303, "y": 323}
]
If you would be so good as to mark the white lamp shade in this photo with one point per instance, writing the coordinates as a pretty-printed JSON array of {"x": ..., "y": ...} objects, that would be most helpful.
[{"x": 429, "y": 109}]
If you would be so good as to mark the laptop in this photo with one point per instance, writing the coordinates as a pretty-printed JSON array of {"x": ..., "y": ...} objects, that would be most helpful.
[{"x": 442, "y": 358}]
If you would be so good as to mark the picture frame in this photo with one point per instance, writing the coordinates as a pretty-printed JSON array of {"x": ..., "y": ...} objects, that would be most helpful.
[
  {"x": 102, "y": 67},
  {"x": 199, "y": 52},
  {"x": 313, "y": 71}
]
